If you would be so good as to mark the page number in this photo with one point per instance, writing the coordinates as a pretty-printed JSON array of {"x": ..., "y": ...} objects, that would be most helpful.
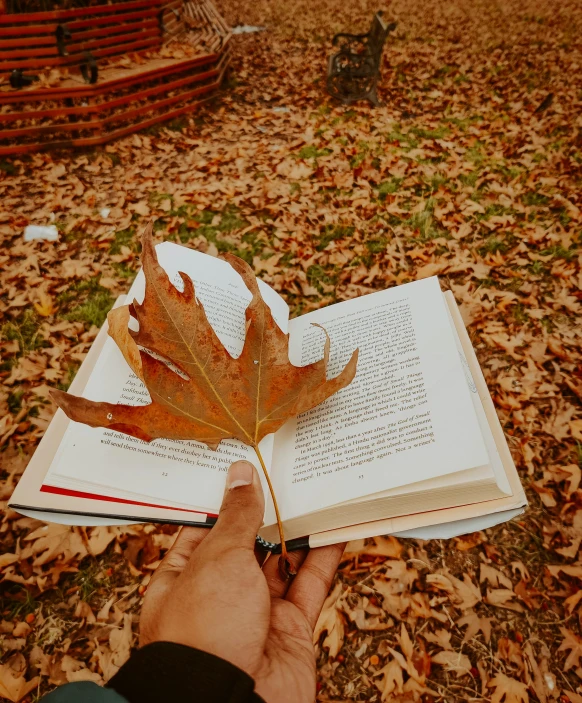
[
  {"x": 164, "y": 473},
  {"x": 361, "y": 476}
]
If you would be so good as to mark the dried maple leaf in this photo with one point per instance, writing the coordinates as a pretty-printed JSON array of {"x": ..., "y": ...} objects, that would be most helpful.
[
  {"x": 508, "y": 689},
  {"x": 475, "y": 624},
  {"x": 13, "y": 684},
  {"x": 392, "y": 680},
  {"x": 456, "y": 662},
  {"x": 574, "y": 644},
  {"x": 203, "y": 393}
]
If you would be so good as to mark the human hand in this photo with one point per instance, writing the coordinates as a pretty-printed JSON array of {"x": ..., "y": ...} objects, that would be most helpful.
[{"x": 210, "y": 593}]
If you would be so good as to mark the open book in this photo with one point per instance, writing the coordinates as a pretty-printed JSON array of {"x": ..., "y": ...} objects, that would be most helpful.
[{"x": 413, "y": 442}]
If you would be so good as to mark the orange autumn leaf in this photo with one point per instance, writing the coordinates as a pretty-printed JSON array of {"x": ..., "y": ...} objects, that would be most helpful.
[{"x": 214, "y": 396}]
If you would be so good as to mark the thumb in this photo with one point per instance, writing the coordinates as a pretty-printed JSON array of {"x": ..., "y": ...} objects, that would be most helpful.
[{"x": 243, "y": 506}]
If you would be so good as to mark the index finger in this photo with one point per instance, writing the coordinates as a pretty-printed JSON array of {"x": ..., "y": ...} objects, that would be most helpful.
[
  {"x": 180, "y": 553},
  {"x": 309, "y": 588}
]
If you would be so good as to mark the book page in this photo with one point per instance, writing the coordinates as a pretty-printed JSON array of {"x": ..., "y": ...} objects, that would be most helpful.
[
  {"x": 176, "y": 472},
  {"x": 406, "y": 417}
]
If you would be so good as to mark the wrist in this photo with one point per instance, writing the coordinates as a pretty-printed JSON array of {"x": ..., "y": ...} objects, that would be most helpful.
[{"x": 171, "y": 671}]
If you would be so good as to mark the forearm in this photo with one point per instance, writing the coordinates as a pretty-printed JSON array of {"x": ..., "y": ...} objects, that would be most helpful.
[{"x": 164, "y": 671}]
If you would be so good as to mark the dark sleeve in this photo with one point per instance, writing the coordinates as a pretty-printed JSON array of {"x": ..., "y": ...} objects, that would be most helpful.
[
  {"x": 83, "y": 692},
  {"x": 165, "y": 671}
]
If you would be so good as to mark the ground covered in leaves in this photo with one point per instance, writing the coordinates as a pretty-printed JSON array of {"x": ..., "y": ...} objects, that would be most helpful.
[{"x": 471, "y": 170}]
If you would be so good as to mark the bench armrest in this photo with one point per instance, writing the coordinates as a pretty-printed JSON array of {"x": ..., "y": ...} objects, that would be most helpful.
[{"x": 349, "y": 37}]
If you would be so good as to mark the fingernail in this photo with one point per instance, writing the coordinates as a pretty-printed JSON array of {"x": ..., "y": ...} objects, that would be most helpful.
[{"x": 239, "y": 474}]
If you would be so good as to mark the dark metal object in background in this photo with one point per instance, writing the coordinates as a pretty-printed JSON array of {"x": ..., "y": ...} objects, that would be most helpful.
[
  {"x": 89, "y": 69},
  {"x": 353, "y": 71},
  {"x": 18, "y": 79},
  {"x": 63, "y": 35}
]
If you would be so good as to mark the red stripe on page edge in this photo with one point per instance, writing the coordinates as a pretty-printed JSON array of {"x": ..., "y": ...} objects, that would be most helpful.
[{"x": 93, "y": 496}]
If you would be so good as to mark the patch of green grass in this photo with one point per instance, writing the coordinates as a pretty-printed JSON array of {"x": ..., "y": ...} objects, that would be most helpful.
[
  {"x": 475, "y": 154},
  {"x": 15, "y": 400},
  {"x": 24, "y": 329},
  {"x": 547, "y": 324},
  {"x": 565, "y": 218},
  {"x": 94, "y": 310},
  {"x": 124, "y": 238},
  {"x": 155, "y": 198},
  {"x": 115, "y": 158},
  {"x": 79, "y": 290},
  {"x": 332, "y": 232},
  {"x": 316, "y": 275},
  {"x": 362, "y": 151},
  {"x": 123, "y": 270},
  {"x": 493, "y": 245},
  {"x": 18, "y": 604},
  {"x": 510, "y": 173},
  {"x": 488, "y": 282},
  {"x": 559, "y": 252},
  {"x": 438, "y": 133},
  {"x": 312, "y": 152},
  {"x": 533, "y": 198},
  {"x": 389, "y": 187},
  {"x": 537, "y": 268},
  {"x": 90, "y": 579},
  {"x": 225, "y": 222},
  {"x": 86, "y": 301},
  {"x": 464, "y": 122},
  {"x": 376, "y": 246},
  {"x": 519, "y": 314},
  {"x": 8, "y": 168},
  {"x": 436, "y": 181},
  {"x": 396, "y": 135},
  {"x": 294, "y": 188},
  {"x": 286, "y": 259},
  {"x": 493, "y": 209},
  {"x": 470, "y": 179}
]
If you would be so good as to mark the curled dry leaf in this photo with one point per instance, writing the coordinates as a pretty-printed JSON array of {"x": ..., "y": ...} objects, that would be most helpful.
[
  {"x": 118, "y": 321},
  {"x": 331, "y": 622},
  {"x": 213, "y": 396}
]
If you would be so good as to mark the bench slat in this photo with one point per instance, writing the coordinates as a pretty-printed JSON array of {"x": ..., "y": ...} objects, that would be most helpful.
[
  {"x": 26, "y": 53},
  {"x": 151, "y": 12},
  {"x": 23, "y": 32},
  {"x": 74, "y": 58},
  {"x": 120, "y": 42},
  {"x": 60, "y": 15},
  {"x": 116, "y": 29}
]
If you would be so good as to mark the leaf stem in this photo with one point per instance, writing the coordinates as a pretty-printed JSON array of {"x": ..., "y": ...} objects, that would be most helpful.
[{"x": 272, "y": 491}]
